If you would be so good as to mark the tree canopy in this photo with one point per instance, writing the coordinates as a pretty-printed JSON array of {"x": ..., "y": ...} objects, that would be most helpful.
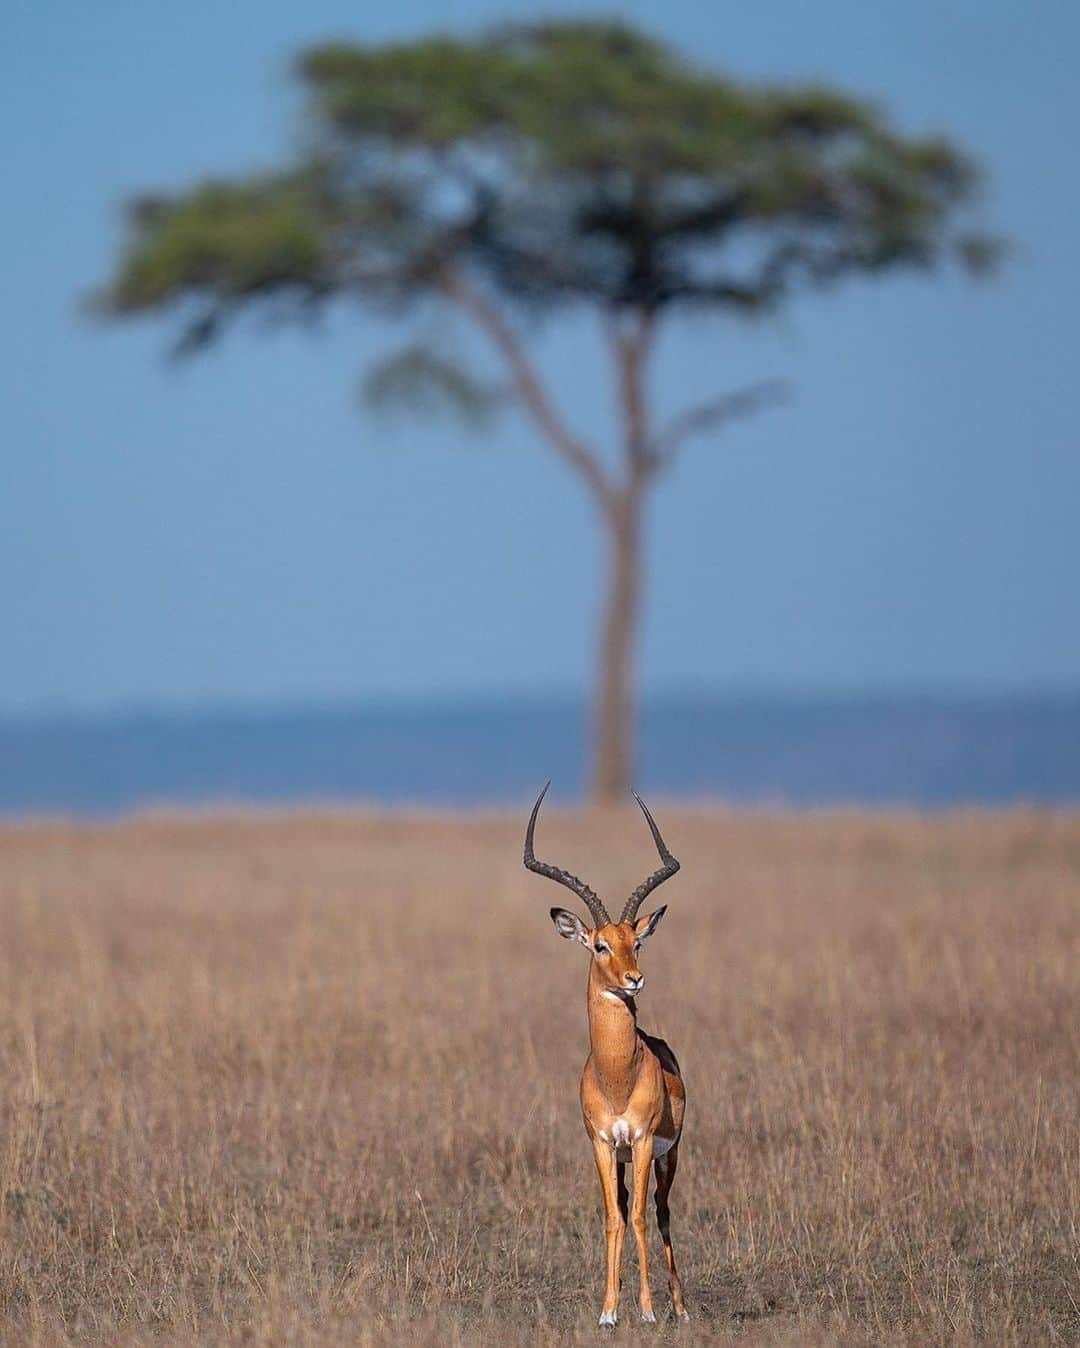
[{"x": 559, "y": 163}]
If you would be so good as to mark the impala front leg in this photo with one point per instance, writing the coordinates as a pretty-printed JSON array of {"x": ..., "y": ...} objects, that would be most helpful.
[
  {"x": 614, "y": 1228},
  {"x": 643, "y": 1150}
]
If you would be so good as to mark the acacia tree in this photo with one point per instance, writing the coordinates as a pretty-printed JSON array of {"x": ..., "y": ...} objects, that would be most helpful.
[{"x": 543, "y": 168}]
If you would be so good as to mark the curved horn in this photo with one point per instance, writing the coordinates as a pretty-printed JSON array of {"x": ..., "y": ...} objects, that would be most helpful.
[
  {"x": 666, "y": 871},
  {"x": 581, "y": 889}
]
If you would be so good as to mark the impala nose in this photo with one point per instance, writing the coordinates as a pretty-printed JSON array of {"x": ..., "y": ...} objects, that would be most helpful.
[{"x": 634, "y": 982}]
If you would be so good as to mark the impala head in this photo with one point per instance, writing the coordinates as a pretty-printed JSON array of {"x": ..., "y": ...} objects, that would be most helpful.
[{"x": 613, "y": 946}]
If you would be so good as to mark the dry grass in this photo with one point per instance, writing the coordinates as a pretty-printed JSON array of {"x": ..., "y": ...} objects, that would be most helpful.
[{"x": 313, "y": 1078}]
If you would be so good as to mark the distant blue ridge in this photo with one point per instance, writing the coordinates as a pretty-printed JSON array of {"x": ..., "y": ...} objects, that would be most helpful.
[{"x": 923, "y": 751}]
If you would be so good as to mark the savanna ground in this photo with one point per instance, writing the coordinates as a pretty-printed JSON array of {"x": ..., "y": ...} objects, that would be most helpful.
[{"x": 313, "y": 1078}]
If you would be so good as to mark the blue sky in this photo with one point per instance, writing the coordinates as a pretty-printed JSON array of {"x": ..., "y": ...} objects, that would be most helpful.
[{"x": 232, "y": 530}]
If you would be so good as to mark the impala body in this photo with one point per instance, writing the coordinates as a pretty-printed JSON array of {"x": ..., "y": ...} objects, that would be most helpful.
[{"x": 632, "y": 1092}]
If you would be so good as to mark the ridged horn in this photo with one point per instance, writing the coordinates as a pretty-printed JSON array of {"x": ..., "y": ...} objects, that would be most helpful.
[
  {"x": 666, "y": 871},
  {"x": 588, "y": 896}
]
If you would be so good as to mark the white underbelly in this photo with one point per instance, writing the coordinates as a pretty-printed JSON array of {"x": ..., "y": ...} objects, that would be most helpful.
[{"x": 619, "y": 1138}]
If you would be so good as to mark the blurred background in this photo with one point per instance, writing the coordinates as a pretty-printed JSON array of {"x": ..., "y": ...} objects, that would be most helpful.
[{"x": 229, "y": 577}]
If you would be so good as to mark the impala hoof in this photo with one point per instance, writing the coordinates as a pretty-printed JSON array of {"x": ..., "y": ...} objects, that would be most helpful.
[
  {"x": 649, "y": 1317},
  {"x": 683, "y": 1317},
  {"x": 608, "y": 1319}
]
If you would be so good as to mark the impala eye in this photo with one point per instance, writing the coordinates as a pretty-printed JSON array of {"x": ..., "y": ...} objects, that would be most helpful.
[
  {"x": 637, "y": 946},
  {"x": 601, "y": 949}
]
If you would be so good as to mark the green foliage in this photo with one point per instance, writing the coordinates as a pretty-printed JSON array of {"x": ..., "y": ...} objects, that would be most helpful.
[
  {"x": 222, "y": 243},
  {"x": 557, "y": 163},
  {"x": 235, "y": 238},
  {"x": 426, "y": 382}
]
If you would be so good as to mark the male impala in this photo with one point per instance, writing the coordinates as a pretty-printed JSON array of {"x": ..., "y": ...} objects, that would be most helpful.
[{"x": 631, "y": 1090}]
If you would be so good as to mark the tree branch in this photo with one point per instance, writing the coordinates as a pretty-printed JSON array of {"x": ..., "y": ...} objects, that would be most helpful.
[
  {"x": 456, "y": 286},
  {"x": 707, "y": 415}
]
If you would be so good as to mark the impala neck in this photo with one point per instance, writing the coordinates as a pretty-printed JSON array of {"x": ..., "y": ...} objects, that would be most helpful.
[{"x": 616, "y": 1049}]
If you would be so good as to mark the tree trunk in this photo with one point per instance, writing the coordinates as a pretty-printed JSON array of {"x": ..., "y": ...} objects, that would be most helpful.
[{"x": 614, "y": 708}]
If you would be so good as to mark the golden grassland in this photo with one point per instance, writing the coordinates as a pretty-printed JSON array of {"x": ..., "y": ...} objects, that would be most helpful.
[{"x": 313, "y": 1078}]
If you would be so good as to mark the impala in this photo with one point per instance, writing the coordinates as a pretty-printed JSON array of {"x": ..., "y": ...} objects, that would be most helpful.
[{"x": 632, "y": 1092}]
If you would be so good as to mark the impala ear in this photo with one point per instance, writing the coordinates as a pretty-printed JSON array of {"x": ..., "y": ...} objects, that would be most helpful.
[
  {"x": 569, "y": 926},
  {"x": 645, "y": 926}
]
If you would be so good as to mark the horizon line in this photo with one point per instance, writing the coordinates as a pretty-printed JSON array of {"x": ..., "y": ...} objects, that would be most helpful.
[{"x": 763, "y": 692}]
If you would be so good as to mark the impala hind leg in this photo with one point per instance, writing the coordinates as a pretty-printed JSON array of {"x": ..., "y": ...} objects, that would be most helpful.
[
  {"x": 623, "y": 1196},
  {"x": 665, "y": 1167},
  {"x": 613, "y": 1187}
]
